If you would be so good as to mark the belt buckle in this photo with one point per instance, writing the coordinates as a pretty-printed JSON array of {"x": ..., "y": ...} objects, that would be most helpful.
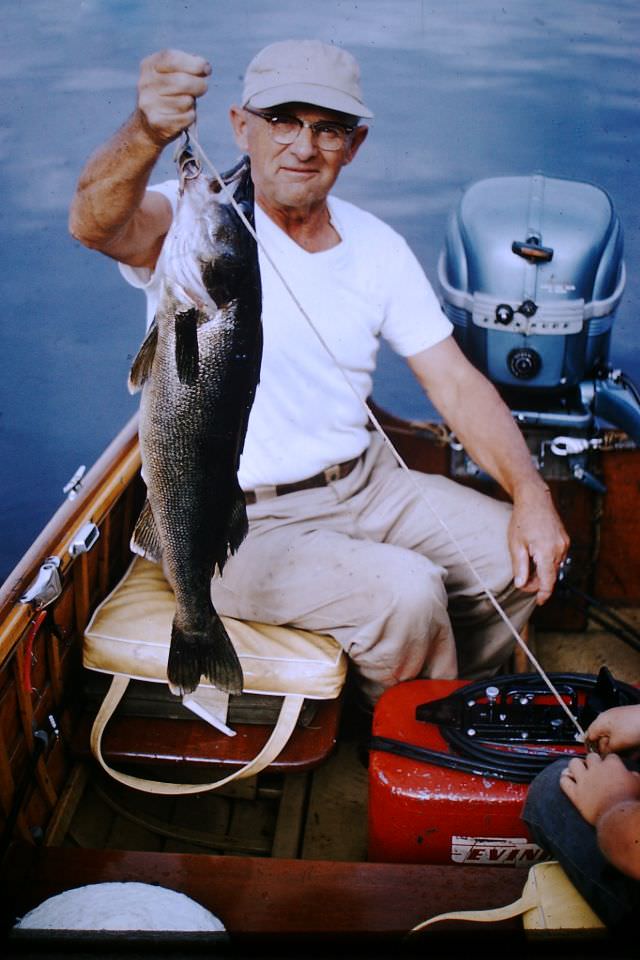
[
  {"x": 333, "y": 473},
  {"x": 265, "y": 492}
]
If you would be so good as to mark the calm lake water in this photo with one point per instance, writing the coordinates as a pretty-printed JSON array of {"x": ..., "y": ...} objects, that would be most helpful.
[{"x": 461, "y": 89}]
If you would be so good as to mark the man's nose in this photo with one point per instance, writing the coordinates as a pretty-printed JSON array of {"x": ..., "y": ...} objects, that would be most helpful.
[{"x": 304, "y": 145}]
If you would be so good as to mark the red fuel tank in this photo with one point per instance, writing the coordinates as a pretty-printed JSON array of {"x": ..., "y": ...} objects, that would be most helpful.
[{"x": 424, "y": 813}]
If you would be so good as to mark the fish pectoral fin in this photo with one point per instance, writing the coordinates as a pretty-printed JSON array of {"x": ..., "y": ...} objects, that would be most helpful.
[
  {"x": 187, "y": 358},
  {"x": 143, "y": 362},
  {"x": 210, "y": 655},
  {"x": 229, "y": 537},
  {"x": 238, "y": 525},
  {"x": 223, "y": 281},
  {"x": 145, "y": 539}
]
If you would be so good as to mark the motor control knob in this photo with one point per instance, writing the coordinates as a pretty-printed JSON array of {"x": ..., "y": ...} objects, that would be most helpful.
[
  {"x": 524, "y": 363},
  {"x": 528, "y": 308},
  {"x": 504, "y": 314}
]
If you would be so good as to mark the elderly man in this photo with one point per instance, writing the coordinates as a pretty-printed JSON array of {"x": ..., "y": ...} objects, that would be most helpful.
[{"x": 341, "y": 539}]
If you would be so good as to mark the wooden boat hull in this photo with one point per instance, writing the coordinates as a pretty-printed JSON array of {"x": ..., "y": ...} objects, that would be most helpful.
[{"x": 283, "y": 893}]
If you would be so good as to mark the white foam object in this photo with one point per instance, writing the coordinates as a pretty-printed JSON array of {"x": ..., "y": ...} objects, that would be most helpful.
[{"x": 121, "y": 906}]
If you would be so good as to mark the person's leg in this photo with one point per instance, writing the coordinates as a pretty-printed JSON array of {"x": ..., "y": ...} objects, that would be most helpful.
[
  {"x": 557, "y": 826},
  {"x": 465, "y": 533},
  {"x": 315, "y": 559},
  {"x": 303, "y": 564}
]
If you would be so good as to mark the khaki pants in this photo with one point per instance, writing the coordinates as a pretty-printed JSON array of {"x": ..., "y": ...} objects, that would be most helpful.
[{"x": 366, "y": 560}]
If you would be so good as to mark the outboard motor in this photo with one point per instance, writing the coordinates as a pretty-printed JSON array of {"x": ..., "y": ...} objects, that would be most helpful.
[{"x": 530, "y": 275}]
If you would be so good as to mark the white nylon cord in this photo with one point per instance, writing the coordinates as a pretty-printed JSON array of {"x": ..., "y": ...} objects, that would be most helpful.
[{"x": 378, "y": 427}]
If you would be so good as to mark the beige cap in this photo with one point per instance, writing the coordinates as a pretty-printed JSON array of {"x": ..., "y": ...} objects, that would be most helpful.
[{"x": 305, "y": 71}]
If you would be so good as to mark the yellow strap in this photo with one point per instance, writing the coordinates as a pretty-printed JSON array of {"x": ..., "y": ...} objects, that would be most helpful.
[
  {"x": 285, "y": 725},
  {"x": 550, "y": 904},
  {"x": 524, "y": 903}
]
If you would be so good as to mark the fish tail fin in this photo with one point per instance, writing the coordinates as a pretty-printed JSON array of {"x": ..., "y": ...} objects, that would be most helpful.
[{"x": 209, "y": 654}]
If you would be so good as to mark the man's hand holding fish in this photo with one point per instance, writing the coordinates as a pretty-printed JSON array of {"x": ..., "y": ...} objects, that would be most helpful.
[{"x": 170, "y": 83}]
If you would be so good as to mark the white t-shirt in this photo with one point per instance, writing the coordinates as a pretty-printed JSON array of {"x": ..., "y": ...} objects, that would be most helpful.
[{"x": 306, "y": 415}]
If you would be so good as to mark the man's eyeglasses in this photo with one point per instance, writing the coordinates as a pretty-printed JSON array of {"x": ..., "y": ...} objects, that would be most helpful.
[{"x": 284, "y": 129}]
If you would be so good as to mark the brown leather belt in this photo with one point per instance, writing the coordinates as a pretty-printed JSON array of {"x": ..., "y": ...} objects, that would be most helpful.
[{"x": 322, "y": 479}]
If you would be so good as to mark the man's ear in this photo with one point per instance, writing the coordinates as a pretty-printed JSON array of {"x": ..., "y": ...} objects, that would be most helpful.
[
  {"x": 358, "y": 137},
  {"x": 239, "y": 124}
]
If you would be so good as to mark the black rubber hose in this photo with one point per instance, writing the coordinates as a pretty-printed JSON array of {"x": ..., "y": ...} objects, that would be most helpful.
[{"x": 517, "y": 764}]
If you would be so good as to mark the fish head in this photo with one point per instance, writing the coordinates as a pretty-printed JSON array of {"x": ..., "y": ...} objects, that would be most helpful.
[
  {"x": 189, "y": 242},
  {"x": 209, "y": 249},
  {"x": 233, "y": 265}
]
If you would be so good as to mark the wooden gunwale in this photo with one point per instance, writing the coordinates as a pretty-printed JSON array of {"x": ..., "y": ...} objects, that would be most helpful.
[{"x": 104, "y": 482}]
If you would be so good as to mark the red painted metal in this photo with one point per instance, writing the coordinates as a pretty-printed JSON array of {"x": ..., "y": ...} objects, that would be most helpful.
[
  {"x": 27, "y": 662},
  {"x": 422, "y": 813}
]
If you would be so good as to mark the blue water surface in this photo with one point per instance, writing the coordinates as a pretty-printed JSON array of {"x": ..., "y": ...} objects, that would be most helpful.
[{"x": 461, "y": 89}]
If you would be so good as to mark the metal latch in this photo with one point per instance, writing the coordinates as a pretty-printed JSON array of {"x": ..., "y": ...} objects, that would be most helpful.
[
  {"x": 84, "y": 539},
  {"x": 532, "y": 250},
  {"x": 46, "y": 587},
  {"x": 570, "y": 446}
]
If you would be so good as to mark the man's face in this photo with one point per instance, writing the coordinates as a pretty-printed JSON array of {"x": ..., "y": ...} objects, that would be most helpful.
[{"x": 296, "y": 176}]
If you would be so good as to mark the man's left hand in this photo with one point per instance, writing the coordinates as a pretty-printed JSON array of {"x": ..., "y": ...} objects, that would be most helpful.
[{"x": 538, "y": 543}]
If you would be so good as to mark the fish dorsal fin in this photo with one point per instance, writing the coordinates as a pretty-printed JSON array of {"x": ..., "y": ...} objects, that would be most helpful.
[
  {"x": 187, "y": 345},
  {"x": 141, "y": 366},
  {"x": 145, "y": 539}
]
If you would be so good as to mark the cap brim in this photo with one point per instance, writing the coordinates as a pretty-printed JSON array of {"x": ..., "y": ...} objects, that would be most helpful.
[{"x": 314, "y": 94}]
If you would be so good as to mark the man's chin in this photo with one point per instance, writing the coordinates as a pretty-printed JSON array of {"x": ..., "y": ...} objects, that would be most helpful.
[{"x": 298, "y": 196}]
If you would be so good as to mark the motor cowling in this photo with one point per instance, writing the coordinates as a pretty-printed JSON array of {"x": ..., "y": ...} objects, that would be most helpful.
[{"x": 530, "y": 275}]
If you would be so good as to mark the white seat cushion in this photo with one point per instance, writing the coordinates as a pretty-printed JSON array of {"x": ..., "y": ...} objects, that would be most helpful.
[{"x": 130, "y": 632}]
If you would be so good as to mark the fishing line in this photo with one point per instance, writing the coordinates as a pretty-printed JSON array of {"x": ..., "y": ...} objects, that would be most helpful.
[{"x": 379, "y": 428}]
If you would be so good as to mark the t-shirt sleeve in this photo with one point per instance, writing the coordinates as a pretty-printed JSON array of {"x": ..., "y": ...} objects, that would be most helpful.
[
  {"x": 413, "y": 319},
  {"x": 141, "y": 277}
]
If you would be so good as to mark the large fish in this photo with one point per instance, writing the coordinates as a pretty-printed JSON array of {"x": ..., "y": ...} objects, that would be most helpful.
[{"x": 199, "y": 367}]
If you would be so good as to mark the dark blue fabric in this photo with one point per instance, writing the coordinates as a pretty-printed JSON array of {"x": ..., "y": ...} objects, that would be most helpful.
[{"x": 558, "y": 827}]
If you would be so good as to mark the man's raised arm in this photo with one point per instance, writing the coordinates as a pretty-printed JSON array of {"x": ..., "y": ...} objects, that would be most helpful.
[{"x": 111, "y": 210}]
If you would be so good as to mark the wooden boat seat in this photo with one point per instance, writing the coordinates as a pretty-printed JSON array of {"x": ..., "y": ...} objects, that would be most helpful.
[
  {"x": 260, "y": 899},
  {"x": 315, "y": 908},
  {"x": 163, "y": 742},
  {"x": 129, "y": 636}
]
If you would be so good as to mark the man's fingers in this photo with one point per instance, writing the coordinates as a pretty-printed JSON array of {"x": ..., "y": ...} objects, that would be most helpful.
[
  {"x": 547, "y": 573},
  {"x": 175, "y": 121},
  {"x": 521, "y": 567},
  {"x": 182, "y": 84},
  {"x": 170, "y": 83},
  {"x": 178, "y": 61},
  {"x": 535, "y": 574},
  {"x": 532, "y": 577}
]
